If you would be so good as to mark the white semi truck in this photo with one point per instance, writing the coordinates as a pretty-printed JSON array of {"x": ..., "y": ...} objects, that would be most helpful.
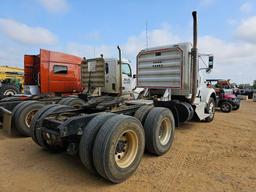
[{"x": 110, "y": 134}]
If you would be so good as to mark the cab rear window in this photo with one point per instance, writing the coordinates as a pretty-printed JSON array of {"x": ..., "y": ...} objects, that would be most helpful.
[{"x": 60, "y": 69}]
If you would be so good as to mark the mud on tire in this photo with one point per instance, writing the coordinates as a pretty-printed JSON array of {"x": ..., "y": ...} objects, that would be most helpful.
[{"x": 118, "y": 148}]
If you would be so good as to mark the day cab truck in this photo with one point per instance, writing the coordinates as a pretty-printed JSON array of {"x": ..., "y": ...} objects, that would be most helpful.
[
  {"x": 110, "y": 135},
  {"x": 51, "y": 77}
]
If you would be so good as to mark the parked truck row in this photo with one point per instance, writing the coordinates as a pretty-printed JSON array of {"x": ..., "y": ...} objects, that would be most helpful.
[
  {"x": 107, "y": 130},
  {"x": 51, "y": 77}
]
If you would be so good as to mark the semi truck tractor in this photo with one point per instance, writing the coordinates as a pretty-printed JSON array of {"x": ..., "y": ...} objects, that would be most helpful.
[
  {"x": 110, "y": 134},
  {"x": 51, "y": 77}
]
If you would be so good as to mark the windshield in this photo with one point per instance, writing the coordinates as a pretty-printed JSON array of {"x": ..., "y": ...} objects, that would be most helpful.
[{"x": 126, "y": 69}]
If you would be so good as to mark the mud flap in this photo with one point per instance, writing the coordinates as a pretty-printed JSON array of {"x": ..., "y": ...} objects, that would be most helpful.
[{"x": 7, "y": 122}]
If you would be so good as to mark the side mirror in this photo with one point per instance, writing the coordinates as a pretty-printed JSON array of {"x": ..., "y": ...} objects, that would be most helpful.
[
  {"x": 210, "y": 64},
  {"x": 134, "y": 76}
]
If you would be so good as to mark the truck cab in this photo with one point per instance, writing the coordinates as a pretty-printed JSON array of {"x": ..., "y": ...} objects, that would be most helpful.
[
  {"x": 112, "y": 70},
  {"x": 52, "y": 72}
]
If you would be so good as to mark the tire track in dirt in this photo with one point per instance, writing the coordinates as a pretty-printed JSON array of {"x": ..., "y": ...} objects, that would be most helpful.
[{"x": 169, "y": 183}]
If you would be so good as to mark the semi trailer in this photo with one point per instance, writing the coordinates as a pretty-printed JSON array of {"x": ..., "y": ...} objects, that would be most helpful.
[
  {"x": 51, "y": 77},
  {"x": 110, "y": 134}
]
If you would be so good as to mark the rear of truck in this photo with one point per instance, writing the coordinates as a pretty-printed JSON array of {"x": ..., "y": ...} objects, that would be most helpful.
[{"x": 110, "y": 134}]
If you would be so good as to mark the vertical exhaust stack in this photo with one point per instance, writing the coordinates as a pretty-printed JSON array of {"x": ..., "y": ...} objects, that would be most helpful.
[
  {"x": 194, "y": 54},
  {"x": 120, "y": 72}
]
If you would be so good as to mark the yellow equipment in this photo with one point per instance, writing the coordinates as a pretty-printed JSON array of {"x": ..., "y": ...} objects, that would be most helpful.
[{"x": 11, "y": 80}]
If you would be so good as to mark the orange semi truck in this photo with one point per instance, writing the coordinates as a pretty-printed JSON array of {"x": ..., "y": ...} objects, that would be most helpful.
[{"x": 52, "y": 72}]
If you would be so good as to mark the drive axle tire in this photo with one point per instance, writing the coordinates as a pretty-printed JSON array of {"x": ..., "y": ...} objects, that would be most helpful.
[
  {"x": 118, "y": 148},
  {"x": 210, "y": 109},
  {"x": 9, "y": 89},
  {"x": 63, "y": 100},
  {"x": 35, "y": 119},
  {"x": 72, "y": 101},
  {"x": 10, "y": 99},
  {"x": 142, "y": 113},
  {"x": 37, "y": 123},
  {"x": 225, "y": 107},
  {"x": 87, "y": 140},
  {"x": 23, "y": 115},
  {"x": 159, "y": 130}
]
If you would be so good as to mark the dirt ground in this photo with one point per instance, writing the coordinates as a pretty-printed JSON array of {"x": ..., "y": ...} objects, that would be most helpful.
[{"x": 217, "y": 156}]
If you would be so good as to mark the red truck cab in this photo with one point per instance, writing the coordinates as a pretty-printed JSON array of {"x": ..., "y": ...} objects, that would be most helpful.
[{"x": 52, "y": 72}]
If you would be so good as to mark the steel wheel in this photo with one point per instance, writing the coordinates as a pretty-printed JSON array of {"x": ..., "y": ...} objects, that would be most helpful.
[
  {"x": 165, "y": 131},
  {"x": 118, "y": 148},
  {"x": 226, "y": 107},
  {"x": 29, "y": 117},
  {"x": 126, "y": 149}
]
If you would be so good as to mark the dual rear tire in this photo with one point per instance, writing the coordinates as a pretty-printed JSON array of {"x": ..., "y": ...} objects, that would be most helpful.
[
  {"x": 37, "y": 124},
  {"x": 159, "y": 130},
  {"x": 72, "y": 101},
  {"x": 159, "y": 127},
  {"x": 112, "y": 145},
  {"x": 23, "y": 115}
]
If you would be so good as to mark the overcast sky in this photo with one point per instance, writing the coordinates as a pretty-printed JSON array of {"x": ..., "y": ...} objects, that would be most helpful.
[{"x": 227, "y": 29}]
